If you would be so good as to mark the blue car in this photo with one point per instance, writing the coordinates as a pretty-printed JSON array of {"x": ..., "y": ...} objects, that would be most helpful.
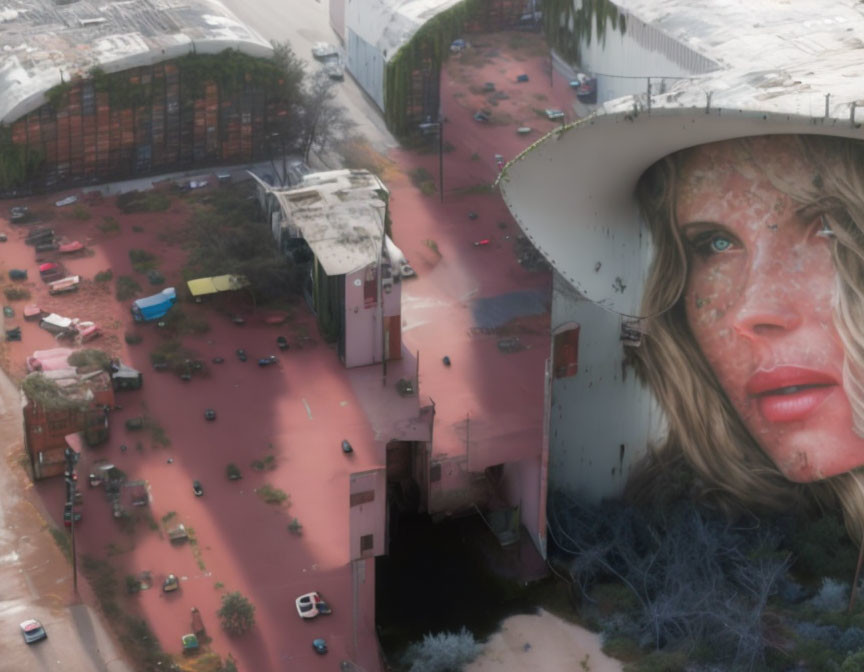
[{"x": 320, "y": 646}]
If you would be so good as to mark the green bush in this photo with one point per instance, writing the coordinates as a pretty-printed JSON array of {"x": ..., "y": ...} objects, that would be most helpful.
[
  {"x": 16, "y": 293},
  {"x": 237, "y": 614},
  {"x": 142, "y": 260},
  {"x": 127, "y": 288},
  {"x": 271, "y": 495},
  {"x": 104, "y": 276},
  {"x": 80, "y": 212},
  {"x": 133, "y": 585},
  {"x": 854, "y": 662},
  {"x": 143, "y": 201},
  {"x": 132, "y": 337},
  {"x": 108, "y": 225},
  {"x": 89, "y": 358}
]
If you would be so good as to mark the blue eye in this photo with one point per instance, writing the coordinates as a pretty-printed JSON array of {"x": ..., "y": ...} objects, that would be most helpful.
[{"x": 720, "y": 244}]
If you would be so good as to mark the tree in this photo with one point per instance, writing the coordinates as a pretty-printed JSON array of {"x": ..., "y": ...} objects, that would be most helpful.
[
  {"x": 237, "y": 614},
  {"x": 322, "y": 120}
]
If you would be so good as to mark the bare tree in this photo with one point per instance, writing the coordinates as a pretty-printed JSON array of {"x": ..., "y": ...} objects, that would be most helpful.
[{"x": 323, "y": 121}]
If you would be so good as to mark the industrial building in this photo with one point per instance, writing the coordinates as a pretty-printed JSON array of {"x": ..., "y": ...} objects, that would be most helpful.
[{"x": 95, "y": 91}]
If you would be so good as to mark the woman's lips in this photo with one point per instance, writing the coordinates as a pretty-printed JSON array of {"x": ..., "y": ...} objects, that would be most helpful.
[{"x": 790, "y": 393}]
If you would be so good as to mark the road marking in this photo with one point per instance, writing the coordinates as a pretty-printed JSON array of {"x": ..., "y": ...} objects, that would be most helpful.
[{"x": 308, "y": 410}]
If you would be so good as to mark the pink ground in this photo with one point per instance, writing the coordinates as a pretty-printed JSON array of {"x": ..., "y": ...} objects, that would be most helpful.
[
  {"x": 302, "y": 409},
  {"x": 299, "y": 411}
]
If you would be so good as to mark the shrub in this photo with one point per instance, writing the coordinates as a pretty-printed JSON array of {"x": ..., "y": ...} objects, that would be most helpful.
[
  {"x": 127, "y": 288},
  {"x": 237, "y": 614},
  {"x": 104, "y": 276},
  {"x": 132, "y": 337},
  {"x": 232, "y": 472},
  {"x": 142, "y": 260},
  {"x": 832, "y": 596},
  {"x": 89, "y": 358},
  {"x": 16, "y": 293},
  {"x": 143, "y": 201},
  {"x": 179, "y": 359},
  {"x": 443, "y": 652},
  {"x": 108, "y": 225},
  {"x": 271, "y": 495},
  {"x": 853, "y": 663},
  {"x": 80, "y": 212},
  {"x": 294, "y": 527}
]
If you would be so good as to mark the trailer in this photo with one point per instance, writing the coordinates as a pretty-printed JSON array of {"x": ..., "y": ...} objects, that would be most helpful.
[{"x": 155, "y": 306}]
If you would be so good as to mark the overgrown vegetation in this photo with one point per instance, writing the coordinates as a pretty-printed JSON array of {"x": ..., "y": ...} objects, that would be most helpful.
[
  {"x": 134, "y": 633},
  {"x": 674, "y": 585},
  {"x": 237, "y": 614},
  {"x": 127, "y": 288},
  {"x": 108, "y": 224},
  {"x": 142, "y": 260},
  {"x": 267, "y": 464},
  {"x": 104, "y": 276},
  {"x": 90, "y": 358},
  {"x": 46, "y": 394},
  {"x": 567, "y": 25},
  {"x": 177, "y": 322},
  {"x": 18, "y": 163},
  {"x": 442, "y": 652},
  {"x": 16, "y": 293},
  {"x": 143, "y": 201},
  {"x": 177, "y": 358},
  {"x": 271, "y": 495},
  {"x": 226, "y": 237}
]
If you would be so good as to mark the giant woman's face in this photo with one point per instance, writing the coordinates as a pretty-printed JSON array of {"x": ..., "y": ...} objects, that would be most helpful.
[{"x": 760, "y": 293}]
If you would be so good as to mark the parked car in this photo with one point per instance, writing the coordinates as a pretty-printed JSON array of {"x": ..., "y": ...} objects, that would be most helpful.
[
  {"x": 32, "y": 631},
  {"x": 19, "y": 214},
  {"x": 322, "y": 50},
  {"x": 553, "y": 114},
  {"x": 241, "y": 354},
  {"x": 170, "y": 584},
  {"x": 311, "y": 605},
  {"x": 267, "y": 361},
  {"x": 197, "y": 489},
  {"x": 282, "y": 342},
  {"x": 209, "y": 414},
  {"x": 232, "y": 471},
  {"x": 320, "y": 645}
]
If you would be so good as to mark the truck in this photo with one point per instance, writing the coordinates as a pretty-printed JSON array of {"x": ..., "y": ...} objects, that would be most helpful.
[
  {"x": 125, "y": 377},
  {"x": 154, "y": 307}
]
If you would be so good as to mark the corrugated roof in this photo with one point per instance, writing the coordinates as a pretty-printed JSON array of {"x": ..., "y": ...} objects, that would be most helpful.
[{"x": 45, "y": 43}]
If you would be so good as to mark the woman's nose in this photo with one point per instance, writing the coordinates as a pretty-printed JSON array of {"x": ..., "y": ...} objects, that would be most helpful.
[{"x": 766, "y": 311}]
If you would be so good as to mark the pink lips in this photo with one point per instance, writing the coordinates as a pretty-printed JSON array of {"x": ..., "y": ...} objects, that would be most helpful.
[{"x": 790, "y": 393}]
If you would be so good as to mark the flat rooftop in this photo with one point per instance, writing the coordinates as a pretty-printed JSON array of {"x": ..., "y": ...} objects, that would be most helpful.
[
  {"x": 341, "y": 216},
  {"x": 46, "y": 42}
]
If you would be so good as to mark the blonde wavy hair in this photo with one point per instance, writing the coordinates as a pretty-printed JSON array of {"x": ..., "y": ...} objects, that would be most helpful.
[{"x": 704, "y": 430}]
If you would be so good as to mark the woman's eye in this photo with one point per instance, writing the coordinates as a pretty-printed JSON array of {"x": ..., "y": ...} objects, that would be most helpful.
[
  {"x": 711, "y": 243},
  {"x": 720, "y": 244}
]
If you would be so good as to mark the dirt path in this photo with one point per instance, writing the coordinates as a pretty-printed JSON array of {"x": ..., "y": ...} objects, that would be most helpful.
[{"x": 542, "y": 643}]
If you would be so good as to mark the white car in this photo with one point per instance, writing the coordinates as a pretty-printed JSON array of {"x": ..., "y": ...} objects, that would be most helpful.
[
  {"x": 322, "y": 50},
  {"x": 554, "y": 114},
  {"x": 32, "y": 631},
  {"x": 311, "y": 605}
]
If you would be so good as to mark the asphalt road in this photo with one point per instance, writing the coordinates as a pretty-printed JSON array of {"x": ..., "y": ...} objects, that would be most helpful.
[
  {"x": 302, "y": 23},
  {"x": 35, "y": 578}
]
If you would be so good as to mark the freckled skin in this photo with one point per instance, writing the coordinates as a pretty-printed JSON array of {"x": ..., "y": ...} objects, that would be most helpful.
[{"x": 760, "y": 294}]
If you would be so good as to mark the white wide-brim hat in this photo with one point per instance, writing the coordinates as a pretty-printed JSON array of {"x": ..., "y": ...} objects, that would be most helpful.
[{"x": 572, "y": 192}]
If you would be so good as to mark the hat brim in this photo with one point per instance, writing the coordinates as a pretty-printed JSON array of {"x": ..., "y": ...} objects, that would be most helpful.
[{"x": 573, "y": 191}]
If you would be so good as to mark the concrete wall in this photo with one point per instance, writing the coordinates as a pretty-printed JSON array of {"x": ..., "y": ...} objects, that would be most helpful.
[
  {"x": 364, "y": 61},
  {"x": 601, "y": 419},
  {"x": 523, "y": 486},
  {"x": 368, "y": 497},
  {"x": 363, "y": 344}
]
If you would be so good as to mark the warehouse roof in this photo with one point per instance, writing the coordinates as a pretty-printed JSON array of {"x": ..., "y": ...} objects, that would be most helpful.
[
  {"x": 340, "y": 214},
  {"x": 46, "y": 42}
]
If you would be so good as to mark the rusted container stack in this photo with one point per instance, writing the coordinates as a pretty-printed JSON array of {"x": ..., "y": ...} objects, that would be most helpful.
[{"x": 150, "y": 125}]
